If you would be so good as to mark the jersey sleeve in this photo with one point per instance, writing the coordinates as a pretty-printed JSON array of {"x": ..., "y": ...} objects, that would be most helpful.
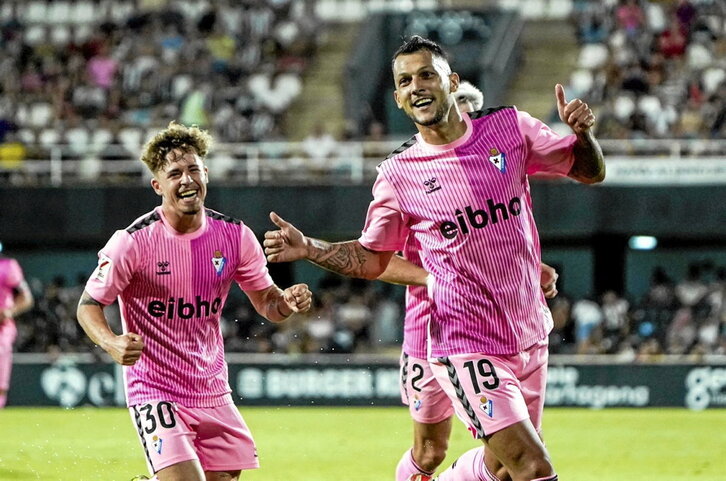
[
  {"x": 548, "y": 152},
  {"x": 116, "y": 264},
  {"x": 386, "y": 226},
  {"x": 252, "y": 273}
]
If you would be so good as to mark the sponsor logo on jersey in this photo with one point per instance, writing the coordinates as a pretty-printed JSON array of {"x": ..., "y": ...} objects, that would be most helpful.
[
  {"x": 431, "y": 185},
  {"x": 468, "y": 218},
  {"x": 179, "y": 307},
  {"x": 498, "y": 159},
  {"x": 218, "y": 261},
  {"x": 162, "y": 268}
]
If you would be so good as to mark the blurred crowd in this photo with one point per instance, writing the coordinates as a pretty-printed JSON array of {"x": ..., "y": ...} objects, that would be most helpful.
[
  {"x": 679, "y": 317},
  {"x": 655, "y": 69},
  {"x": 89, "y": 73}
]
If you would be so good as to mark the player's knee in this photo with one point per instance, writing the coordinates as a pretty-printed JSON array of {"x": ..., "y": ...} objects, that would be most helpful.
[
  {"x": 536, "y": 469},
  {"x": 530, "y": 465},
  {"x": 430, "y": 454}
]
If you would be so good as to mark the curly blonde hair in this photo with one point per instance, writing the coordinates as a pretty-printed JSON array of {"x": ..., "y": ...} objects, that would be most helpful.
[{"x": 175, "y": 136}]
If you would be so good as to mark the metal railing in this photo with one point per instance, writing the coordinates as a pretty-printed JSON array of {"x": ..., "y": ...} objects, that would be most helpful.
[{"x": 286, "y": 163}]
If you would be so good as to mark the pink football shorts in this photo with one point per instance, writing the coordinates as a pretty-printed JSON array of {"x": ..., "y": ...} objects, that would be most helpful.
[
  {"x": 491, "y": 392},
  {"x": 421, "y": 392},
  {"x": 8, "y": 332},
  {"x": 171, "y": 433}
]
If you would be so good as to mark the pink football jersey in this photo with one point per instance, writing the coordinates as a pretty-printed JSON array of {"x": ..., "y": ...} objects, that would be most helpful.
[
  {"x": 468, "y": 205},
  {"x": 171, "y": 289},
  {"x": 11, "y": 276}
]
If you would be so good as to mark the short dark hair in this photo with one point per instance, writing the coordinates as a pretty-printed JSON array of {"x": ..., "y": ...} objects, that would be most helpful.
[{"x": 416, "y": 43}]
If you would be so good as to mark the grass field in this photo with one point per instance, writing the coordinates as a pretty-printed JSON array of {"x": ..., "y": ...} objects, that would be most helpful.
[{"x": 364, "y": 444}]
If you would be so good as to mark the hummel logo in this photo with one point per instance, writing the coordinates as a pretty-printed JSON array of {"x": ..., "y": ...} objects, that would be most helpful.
[
  {"x": 432, "y": 185},
  {"x": 163, "y": 266}
]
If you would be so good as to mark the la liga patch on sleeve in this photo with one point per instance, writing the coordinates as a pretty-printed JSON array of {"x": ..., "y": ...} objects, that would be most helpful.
[{"x": 103, "y": 268}]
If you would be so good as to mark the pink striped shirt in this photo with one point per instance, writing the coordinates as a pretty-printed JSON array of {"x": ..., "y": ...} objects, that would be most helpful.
[
  {"x": 418, "y": 308},
  {"x": 11, "y": 276},
  {"x": 171, "y": 289},
  {"x": 468, "y": 205}
]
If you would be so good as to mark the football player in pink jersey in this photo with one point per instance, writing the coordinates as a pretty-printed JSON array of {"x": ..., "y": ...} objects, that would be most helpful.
[
  {"x": 15, "y": 298},
  {"x": 171, "y": 271},
  {"x": 460, "y": 188},
  {"x": 430, "y": 409}
]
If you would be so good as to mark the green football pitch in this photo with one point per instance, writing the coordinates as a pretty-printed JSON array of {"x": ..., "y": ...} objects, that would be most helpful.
[{"x": 364, "y": 444}]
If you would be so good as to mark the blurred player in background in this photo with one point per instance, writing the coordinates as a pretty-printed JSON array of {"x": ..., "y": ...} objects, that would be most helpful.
[
  {"x": 15, "y": 298},
  {"x": 172, "y": 270},
  {"x": 460, "y": 189},
  {"x": 429, "y": 406},
  {"x": 468, "y": 98}
]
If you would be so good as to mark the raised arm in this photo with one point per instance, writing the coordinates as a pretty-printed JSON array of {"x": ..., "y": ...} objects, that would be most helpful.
[
  {"x": 589, "y": 165},
  {"x": 125, "y": 349},
  {"x": 348, "y": 258}
]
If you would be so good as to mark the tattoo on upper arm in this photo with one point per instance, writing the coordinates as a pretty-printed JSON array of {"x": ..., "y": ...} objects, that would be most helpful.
[{"x": 87, "y": 300}]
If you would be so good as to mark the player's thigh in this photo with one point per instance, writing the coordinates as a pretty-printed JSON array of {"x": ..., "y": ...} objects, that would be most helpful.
[
  {"x": 167, "y": 436},
  {"x": 516, "y": 445},
  {"x": 484, "y": 390},
  {"x": 427, "y": 402},
  {"x": 223, "y": 476},
  {"x": 183, "y": 471}
]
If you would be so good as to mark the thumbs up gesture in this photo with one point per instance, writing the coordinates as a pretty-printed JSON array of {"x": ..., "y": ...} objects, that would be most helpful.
[
  {"x": 285, "y": 244},
  {"x": 574, "y": 113}
]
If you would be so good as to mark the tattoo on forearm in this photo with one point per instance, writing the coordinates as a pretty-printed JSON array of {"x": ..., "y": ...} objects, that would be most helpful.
[
  {"x": 589, "y": 163},
  {"x": 346, "y": 258},
  {"x": 87, "y": 300}
]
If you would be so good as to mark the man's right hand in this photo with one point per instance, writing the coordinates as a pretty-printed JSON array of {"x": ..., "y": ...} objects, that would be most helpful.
[
  {"x": 125, "y": 349},
  {"x": 286, "y": 244}
]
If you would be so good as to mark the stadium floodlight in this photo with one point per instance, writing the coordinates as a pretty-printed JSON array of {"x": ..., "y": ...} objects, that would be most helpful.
[{"x": 643, "y": 242}]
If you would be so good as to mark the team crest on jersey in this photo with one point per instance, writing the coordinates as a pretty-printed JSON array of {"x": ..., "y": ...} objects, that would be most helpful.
[
  {"x": 417, "y": 403},
  {"x": 487, "y": 405},
  {"x": 498, "y": 159},
  {"x": 102, "y": 269},
  {"x": 157, "y": 442},
  {"x": 431, "y": 185},
  {"x": 218, "y": 261}
]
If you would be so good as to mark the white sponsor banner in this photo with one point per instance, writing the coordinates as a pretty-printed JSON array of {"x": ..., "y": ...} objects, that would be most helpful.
[{"x": 645, "y": 171}]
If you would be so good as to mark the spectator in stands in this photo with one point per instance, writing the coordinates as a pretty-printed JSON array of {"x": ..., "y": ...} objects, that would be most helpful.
[
  {"x": 692, "y": 289},
  {"x": 102, "y": 68},
  {"x": 630, "y": 17},
  {"x": 318, "y": 147},
  {"x": 616, "y": 322},
  {"x": 672, "y": 42},
  {"x": 588, "y": 318}
]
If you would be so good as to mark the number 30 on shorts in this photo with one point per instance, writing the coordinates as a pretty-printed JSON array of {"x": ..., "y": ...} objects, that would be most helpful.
[
  {"x": 164, "y": 412},
  {"x": 483, "y": 374}
]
